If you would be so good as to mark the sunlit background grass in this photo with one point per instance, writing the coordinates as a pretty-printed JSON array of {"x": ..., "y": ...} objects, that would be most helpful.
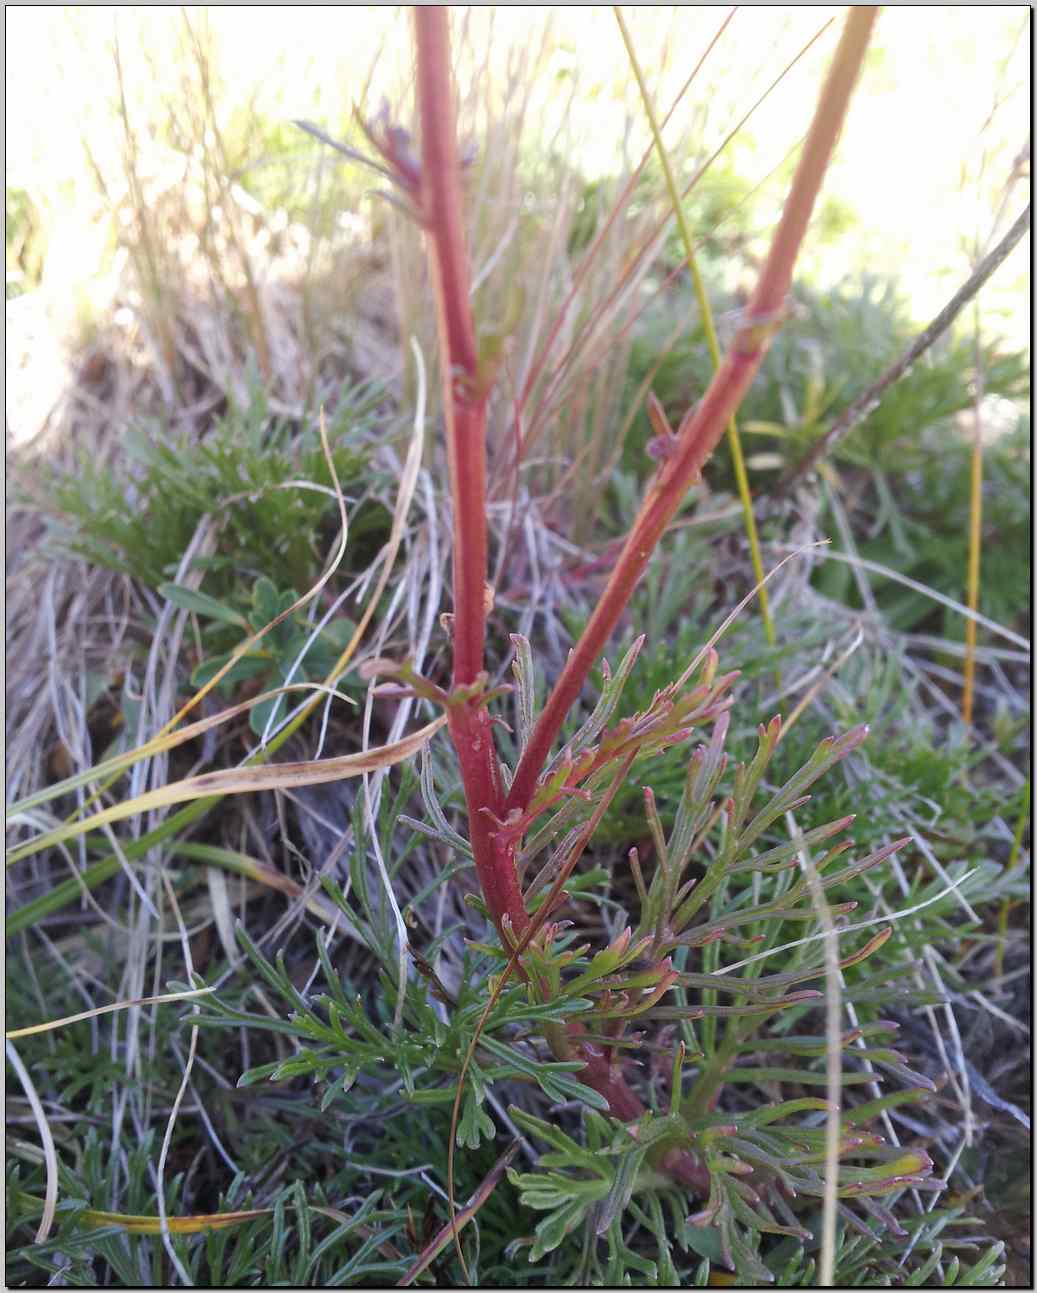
[{"x": 942, "y": 112}]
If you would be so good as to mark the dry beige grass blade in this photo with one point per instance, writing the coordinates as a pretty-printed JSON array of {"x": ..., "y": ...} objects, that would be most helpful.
[
  {"x": 194, "y": 1225},
  {"x": 50, "y": 1153},
  {"x": 222, "y": 911},
  {"x": 157, "y": 745},
  {"x": 136, "y": 1224},
  {"x": 220, "y": 860},
  {"x": 887, "y": 573},
  {"x": 728, "y": 620},
  {"x": 820, "y": 683},
  {"x": 104, "y": 1010},
  {"x": 277, "y": 776}
]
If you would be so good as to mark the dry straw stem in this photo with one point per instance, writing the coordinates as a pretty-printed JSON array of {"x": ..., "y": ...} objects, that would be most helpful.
[
  {"x": 975, "y": 526},
  {"x": 736, "y": 610},
  {"x": 550, "y": 344},
  {"x": 460, "y": 1219},
  {"x": 148, "y": 253},
  {"x": 667, "y": 346},
  {"x": 866, "y": 403},
  {"x": 219, "y": 174},
  {"x": 636, "y": 258},
  {"x": 702, "y": 427},
  {"x": 819, "y": 684},
  {"x": 737, "y": 457}
]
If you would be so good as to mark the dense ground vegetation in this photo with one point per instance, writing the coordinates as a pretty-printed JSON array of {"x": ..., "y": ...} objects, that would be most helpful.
[{"x": 185, "y": 501}]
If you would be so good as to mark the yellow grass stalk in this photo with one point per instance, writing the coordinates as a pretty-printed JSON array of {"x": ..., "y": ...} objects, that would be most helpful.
[
  {"x": 198, "y": 1223},
  {"x": 734, "y": 440}
]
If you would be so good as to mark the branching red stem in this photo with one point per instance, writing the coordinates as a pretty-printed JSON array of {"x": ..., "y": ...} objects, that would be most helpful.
[
  {"x": 702, "y": 428},
  {"x": 465, "y": 400}
]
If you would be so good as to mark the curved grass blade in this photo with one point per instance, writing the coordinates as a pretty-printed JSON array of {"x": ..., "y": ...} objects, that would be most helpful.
[{"x": 277, "y": 776}]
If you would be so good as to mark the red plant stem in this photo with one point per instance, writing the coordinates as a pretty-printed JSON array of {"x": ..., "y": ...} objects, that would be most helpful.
[
  {"x": 464, "y": 403},
  {"x": 603, "y": 1073},
  {"x": 471, "y": 731},
  {"x": 702, "y": 427}
]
